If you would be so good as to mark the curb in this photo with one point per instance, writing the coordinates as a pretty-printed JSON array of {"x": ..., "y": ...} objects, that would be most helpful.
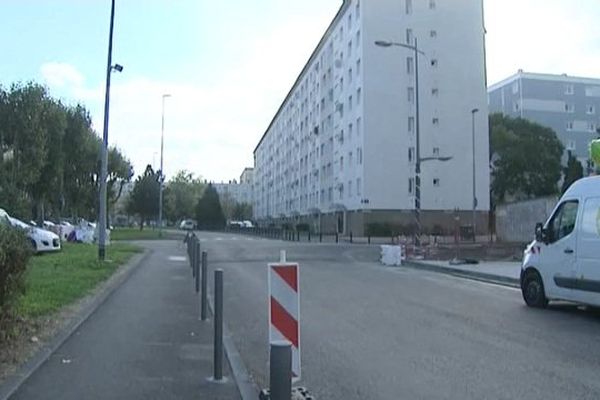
[
  {"x": 244, "y": 382},
  {"x": 473, "y": 275},
  {"x": 14, "y": 381}
]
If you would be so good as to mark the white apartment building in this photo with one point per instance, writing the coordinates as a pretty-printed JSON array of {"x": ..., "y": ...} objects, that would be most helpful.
[
  {"x": 340, "y": 152},
  {"x": 240, "y": 192}
]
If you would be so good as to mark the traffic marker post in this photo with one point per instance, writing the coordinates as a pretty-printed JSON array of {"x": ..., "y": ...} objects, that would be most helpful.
[
  {"x": 218, "y": 337},
  {"x": 204, "y": 294},
  {"x": 284, "y": 308}
]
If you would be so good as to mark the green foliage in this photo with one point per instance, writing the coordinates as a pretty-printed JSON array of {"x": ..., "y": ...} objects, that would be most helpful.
[
  {"x": 208, "y": 210},
  {"x": 572, "y": 172},
  {"x": 181, "y": 195},
  {"x": 14, "y": 255},
  {"x": 143, "y": 200},
  {"x": 242, "y": 212},
  {"x": 49, "y": 157},
  {"x": 526, "y": 158}
]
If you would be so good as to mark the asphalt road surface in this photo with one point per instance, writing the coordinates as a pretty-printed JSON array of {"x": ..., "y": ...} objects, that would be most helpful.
[{"x": 374, "y": 332}]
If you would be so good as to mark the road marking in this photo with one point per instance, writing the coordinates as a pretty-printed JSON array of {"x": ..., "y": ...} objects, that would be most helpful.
[
  {"x": 218, "y": 238},
  {"x": 177, "y": 258}
]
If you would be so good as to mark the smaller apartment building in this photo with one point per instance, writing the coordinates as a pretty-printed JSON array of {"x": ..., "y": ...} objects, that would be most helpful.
[
  {"x": 569, "y": 105},
  {"x": 240, "y": 192}
]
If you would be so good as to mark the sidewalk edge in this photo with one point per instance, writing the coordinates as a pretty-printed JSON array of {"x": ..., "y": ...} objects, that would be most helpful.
[
  {"x": 244, "y": 382},
  {"x": 14, "y": 381},
  {"x": 473, "y": 275}
]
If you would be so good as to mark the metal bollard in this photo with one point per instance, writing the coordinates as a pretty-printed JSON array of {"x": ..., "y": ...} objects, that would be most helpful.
[
  {"x": 192, "y": 255},
  {"x": 320, "y": 237},
  {"x": 298, "y": 236},
  {"x": 280, "y": 371},
  {"x": 369, "y": 239},
  {"x": 336, "y": 237},
  {"x": 197, "y": 266},
  {"x": 204, "y": 294},
  {"x": 309, "y": 236},
  {"x": 350, "y": 237},
  {"x": 218, "y": 338}
]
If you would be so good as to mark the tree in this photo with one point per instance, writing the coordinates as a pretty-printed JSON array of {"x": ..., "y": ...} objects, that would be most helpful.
[
  {"x": 208, "y": 211},
  {"x": 525, "y": 158},
  {"x": 181, "y": 195},
  {"x": 242, "y": 211},
  {"x": 572, "y": 172},
  {"x": 228, "y": 205},
  {"x": 143, "y": 201}
]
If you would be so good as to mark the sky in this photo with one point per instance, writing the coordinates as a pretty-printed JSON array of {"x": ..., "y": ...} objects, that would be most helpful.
[{"x": 229, "y": 64}]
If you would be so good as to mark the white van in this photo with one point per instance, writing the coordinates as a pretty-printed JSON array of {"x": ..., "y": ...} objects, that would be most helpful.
[{"x": 563, "y": 262}]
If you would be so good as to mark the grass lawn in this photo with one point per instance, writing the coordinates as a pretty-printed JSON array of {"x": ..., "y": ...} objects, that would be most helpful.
[
  {"x": 135, "y": 234},
  {"x": 57, "y": 279}
]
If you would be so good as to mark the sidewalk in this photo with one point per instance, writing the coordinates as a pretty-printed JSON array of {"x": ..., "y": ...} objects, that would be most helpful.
[
  {"x": 503, "y": 272},
  {"x": 144, "y": 342}
]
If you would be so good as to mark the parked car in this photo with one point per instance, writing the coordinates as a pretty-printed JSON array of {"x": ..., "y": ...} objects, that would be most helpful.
[
  {"x": 4, "y": 217},
  {"x": 563, "y": 262},
  {"x": 187, "y": 225},
  {"x": 41, "y": 240},
  {"x": 247, "y": 224}
]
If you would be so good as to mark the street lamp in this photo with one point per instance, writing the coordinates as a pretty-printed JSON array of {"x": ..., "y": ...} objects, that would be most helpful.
[
  {"x": 162, "y": 175},
  {"x": 418, "y": 159},
  {"x": 104, "y": 148},
  {"x": 473, "y": 112}
]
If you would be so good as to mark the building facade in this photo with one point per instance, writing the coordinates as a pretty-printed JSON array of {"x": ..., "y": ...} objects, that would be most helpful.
[
  {"x": 240, "y": 192},
  {"x": 569, "y": 105},
  {"x": 340, "y": 152}
]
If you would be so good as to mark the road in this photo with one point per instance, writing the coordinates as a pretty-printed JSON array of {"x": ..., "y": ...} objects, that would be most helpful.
[{"x": 372, "y": 332}]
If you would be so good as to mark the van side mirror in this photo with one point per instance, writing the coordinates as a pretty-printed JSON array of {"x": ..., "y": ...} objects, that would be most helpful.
[{"x": 541, "y": 234}]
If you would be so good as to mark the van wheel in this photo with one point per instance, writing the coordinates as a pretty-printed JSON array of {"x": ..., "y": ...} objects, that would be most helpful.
[
  {"x": 533, "y": 292},
  {"x": 33, "y": 245}
]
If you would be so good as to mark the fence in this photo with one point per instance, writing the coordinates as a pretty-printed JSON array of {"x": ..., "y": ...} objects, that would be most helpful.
[{"x": 515, "y": 222}]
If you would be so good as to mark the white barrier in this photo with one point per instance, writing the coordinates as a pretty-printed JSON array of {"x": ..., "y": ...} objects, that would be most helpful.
[{"x": 391, "y": 255}]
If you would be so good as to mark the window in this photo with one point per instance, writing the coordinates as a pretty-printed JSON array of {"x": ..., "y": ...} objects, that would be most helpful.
[
  {"x": 330, "y": 194},
  {"x": 571, "y": 145},
  {"x": 349, "y": 75},
  {"x": 411, "y": 95},
  {"x": 358, "y": 188},
  {"x": 569, "y": 125},
  {"x": 349, "y": 48},
  {"x": 350, "y": 134},
  {"x": 433, "y": 34},
  {"x": 409, "y": 65},
  {"x": 349, "y": 21},
  {"x": 436, "y": 151},
  {"x": 570, "y": 108},
  {"x": 411, "y": 185},
  {"x": 411, "y": 154},
  {"x": 349, "y": 158},
  {"x": 436, "y": 182},
  {"x": 349, "y": 103},
  {"x": 357, "y": 10},
  {"x": 435, "y": 121},
  {"x": 349, "y": 188},
  {"x": 569, "y": 89},
  {"x": 408, "y": 6},
  {"x": 434, "y": 62},
  {"x": 591, "y": 126},
  {"x": 358, "y": 121},
  {"x": 411, "y": 124},
  {"x": 563, "y": 221},
  {"x": 432, "y": 4},
  {"x": 359, "y": 155},
  {"x": 342, "y": 83},
  {"x": 589, "y": 220},
  {"x": 357, "y": 39},
  {"x": 409, "y": 36},
  {"x": 590, "y": 109},
  {"x": 358, "y": 67},
  {"x": 358, "y": 96},
  {"x": 435, "y": 92},
  {"x": 516, "y": 106},
  {"x": 341, "y": 163}
]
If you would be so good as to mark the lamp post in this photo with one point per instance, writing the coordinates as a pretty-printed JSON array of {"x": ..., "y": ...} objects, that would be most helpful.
[
  {"x": 473, "y": 112},
  {"x": 162, "y": 175},
  {"x": 104, "y": 147},
  {"x": 418, "y": 158}
]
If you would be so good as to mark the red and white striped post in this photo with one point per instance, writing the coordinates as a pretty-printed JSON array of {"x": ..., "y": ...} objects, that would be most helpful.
[{"x": 284, "y": 307}]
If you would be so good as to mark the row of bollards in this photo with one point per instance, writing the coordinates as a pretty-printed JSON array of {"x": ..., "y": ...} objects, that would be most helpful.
[{"x": 199, "y": 267}]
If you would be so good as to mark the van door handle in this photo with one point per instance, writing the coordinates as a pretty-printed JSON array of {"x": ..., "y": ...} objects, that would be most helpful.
[{"x": 569, "y": 251}]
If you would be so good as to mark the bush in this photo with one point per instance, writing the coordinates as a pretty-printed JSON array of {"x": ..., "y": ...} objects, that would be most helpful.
[{"x": 14, "y": 255}]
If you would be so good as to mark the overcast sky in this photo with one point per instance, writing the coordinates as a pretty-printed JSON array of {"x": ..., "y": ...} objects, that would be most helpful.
[{"x": 229, "y": 64}]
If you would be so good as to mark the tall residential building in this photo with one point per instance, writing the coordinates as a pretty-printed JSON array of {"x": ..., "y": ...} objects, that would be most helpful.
[
  {"x": 567, "y": 104},
  {"x": 340, "y": 151}
]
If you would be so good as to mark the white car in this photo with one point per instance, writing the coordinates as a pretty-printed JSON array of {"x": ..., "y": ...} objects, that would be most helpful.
[
  {"x": 247, "y": 224},
  {"x": 187, "y": 225},
  {"x": 563, "y": 262},
  {"x": 41, "y": 240}
]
